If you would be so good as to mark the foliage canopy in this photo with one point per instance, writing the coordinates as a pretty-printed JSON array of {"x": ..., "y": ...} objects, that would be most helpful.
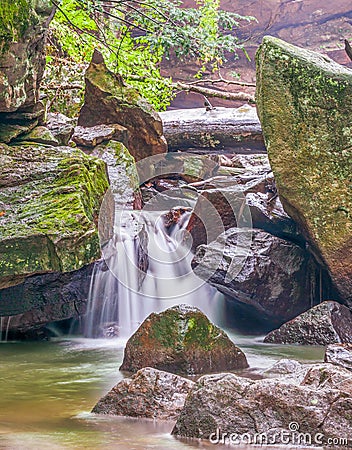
[{"x": 135, "y": 36}]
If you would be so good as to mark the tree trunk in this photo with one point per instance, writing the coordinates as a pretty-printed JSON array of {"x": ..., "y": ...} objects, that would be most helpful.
[{"x": 218, "y": 128}]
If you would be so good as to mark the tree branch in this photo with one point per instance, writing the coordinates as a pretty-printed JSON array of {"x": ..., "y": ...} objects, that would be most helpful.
[{"x": 214, "y": 93}]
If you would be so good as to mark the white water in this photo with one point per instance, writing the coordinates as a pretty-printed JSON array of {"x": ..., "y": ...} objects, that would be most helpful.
[{"x": 122, "y": 296}]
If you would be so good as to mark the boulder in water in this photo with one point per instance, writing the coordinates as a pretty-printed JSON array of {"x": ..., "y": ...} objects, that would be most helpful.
[
  {"x": 303, "y": 102},
  {"x": 339, "y": 354},
  {"x": 150, "y": 393},
  {"x": 108, "y": 100},
  {"x": 327, "y": 323},
  {"x": 272, "y": 275},
  {"x": 181, "y": 340},
  {"x": 316, "y": 403}
]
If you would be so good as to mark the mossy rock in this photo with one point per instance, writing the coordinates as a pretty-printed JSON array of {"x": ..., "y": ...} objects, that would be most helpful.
[
  {"x": 181, "y": 340},
  {"x": 49, "y": 204},
  {"x": 304, "y": 102},
  {"x": 108, "y": 100}
]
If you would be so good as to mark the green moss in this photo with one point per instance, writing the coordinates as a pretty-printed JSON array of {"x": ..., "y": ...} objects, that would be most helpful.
[
  {"x": 304, "y": 102},
  {"x": 15, "y": 18},
  {"x": 48, "y": 208}
]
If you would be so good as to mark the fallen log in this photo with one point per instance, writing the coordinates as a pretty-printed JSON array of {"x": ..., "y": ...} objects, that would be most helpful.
[{"x": 216, "y": 128}]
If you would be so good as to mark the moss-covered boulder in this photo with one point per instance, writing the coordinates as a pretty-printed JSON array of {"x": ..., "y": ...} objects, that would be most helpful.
[
  {"x": 181, "y": 340},
  {"x": 304, "y": 102},
  {"x": 49, "y": 204},
  {"x": 23, "y": 25},
  {"x": 108, "y": 100}
]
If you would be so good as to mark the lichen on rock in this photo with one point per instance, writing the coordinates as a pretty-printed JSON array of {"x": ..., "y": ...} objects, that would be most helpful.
[{"x": 304, "y": 102}]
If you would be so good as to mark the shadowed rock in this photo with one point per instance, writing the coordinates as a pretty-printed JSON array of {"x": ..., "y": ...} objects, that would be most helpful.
[{"x": 327, "y": 323}]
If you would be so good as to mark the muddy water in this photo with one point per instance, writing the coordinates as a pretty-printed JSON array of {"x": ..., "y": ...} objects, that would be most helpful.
[{"x": 48, "y": 389}]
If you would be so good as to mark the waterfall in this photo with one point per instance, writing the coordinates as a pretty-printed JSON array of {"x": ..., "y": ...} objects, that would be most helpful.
[{"x": 146, "y": 268}]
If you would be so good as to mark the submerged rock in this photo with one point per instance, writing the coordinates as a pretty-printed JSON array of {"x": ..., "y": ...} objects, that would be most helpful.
[
  {"x": 150, "y": 393},
  {"x": 327, "y": 323},
  {"x": 253, "y": 267},
  {"x": 283, "y": 367},
  {"x": 339, "y": 354},
  {"x": 48, "y": 210},
  {"x": 317, "y": 402},
  {"x": 181, "y": 340},
  {"x": 108, "y": 100},
  {"x": 303, "y": 102}
]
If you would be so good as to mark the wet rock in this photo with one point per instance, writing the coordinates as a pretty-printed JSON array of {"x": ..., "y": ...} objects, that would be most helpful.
[
  {"x": 301, "y": 102},
  {"x": 61, "y": 127},
  {"x": 181, "y": 340},
  {"x": 216, "y": 128},
  {"x": 23, "y": 29},
  {"x": 150, "y": 393},
  {"x": 269, "y": 410},
  {"x": 39, "y": 135},
  {"x": 327, "y": 323},
  {"x": 339, "y": 354},
  {"x": 283, "y": 367},
  {"x": 92, "y": 136},
  {"x": 109, "y": 101},
  {"x": 253, "y": 267},
  {"x": 249, "y": 197},
  {"x": 42, "y": 299},
  {"x": 48, "y": 210}
]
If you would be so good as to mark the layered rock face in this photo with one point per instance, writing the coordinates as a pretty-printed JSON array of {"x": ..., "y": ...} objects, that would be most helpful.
[
  {"x": 109, "y": 101},
  {"x": 22, "y": 59},
  {"x": 304, "y": 105},
  {"x": 150, "y": 393},
  {"x": 181, "y": 340}
]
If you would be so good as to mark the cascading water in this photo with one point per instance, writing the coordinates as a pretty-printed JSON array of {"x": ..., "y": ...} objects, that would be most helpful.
[{"x": 147, "y": 268}]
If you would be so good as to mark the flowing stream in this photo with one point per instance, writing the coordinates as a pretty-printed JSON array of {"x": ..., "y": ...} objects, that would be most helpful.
[
  {"x": 49, "y": 388},
  {"x": 122, "y": 295}
]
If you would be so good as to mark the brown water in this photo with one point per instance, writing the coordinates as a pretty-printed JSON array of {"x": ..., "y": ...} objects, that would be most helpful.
[{"x": 48, "y": 389}]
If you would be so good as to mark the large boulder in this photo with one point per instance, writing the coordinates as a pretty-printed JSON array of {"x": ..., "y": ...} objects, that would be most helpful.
[
  {"x": 303, "y": 410},
  {"x": 181, "y": 340},
  {"x": 304, "y": 105},
  {"x": 49, "y": 204},
  {"x": 327, "y": 323},
  {"x": 23, "y": 27},
  {"x": 150, "y": 393},
  {"x": 339, "y": 354},
  {"x": 253, "y": 267},
  {"x": 108, "y": 100}
]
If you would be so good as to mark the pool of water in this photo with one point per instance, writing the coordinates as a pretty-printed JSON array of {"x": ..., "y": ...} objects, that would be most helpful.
[{"x": 49, "y": 388}]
